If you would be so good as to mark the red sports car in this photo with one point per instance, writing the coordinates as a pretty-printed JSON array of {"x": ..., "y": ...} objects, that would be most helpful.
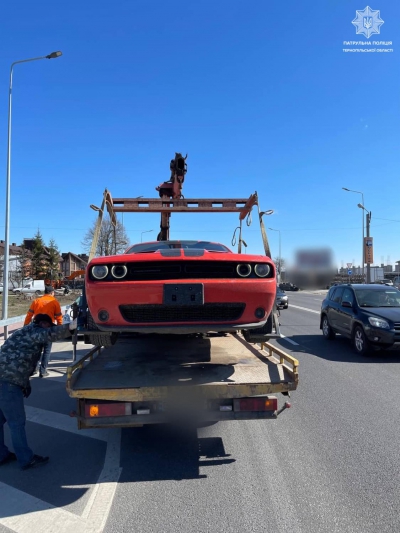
[{"x": 180, "y": 287}]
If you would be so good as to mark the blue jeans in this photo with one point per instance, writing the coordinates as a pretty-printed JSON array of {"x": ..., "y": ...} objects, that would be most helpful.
[
  {"x": 12, "y": 410},
  {"x": 45, "y": 356}
]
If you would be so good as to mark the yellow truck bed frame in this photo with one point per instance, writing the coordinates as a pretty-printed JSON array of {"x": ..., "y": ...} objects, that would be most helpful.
[{"x": 149, "y": 369}]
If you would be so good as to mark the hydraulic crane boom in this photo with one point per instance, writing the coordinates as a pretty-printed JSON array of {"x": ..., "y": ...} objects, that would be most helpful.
[{"x": 171, "y": 189}]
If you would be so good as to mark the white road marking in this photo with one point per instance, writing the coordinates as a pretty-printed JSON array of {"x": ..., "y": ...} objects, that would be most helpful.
[
  {"x": 305, "y": 309},
  {"x": 289, "y": 340},
  {"x": 98, "y": 507},
  {"x": 63, "y": 422},
  {"x": 21, "y": 511},
  {"x": 24, "y": 511}
]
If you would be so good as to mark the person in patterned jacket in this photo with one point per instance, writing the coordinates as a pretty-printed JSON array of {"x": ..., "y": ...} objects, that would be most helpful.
[{"x": 19, "y": 356}]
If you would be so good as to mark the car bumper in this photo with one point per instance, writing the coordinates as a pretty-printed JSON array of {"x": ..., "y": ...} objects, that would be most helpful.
[
  {"x": 125, "y": 302},
  {"x": 383, "y": 338}
]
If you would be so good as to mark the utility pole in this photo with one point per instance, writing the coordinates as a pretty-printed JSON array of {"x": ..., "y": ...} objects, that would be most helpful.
[
  {"x": 368, "y": 222},
  {"x": 368, "y": 252}
]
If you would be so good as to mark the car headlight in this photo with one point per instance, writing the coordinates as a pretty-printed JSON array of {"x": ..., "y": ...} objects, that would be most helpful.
[
  {"x": 119, "y": 271},
  {"x": 262, "y": 270},
  {"x": 378, "y": 322},
  {"x": 244, "y": 270},
  {"x": 100, "y": 271}
]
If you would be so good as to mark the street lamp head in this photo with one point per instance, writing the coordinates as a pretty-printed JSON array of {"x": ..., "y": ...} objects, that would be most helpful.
[
  {"x": 269, "y": 212},
  {"x": 361, "y": 206},
  {"x": 53, "y": 55},
  {"x": 346, "y": 189}
]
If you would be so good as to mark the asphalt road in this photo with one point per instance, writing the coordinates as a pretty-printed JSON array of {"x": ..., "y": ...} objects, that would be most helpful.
[{"x": 329, "y": 464}]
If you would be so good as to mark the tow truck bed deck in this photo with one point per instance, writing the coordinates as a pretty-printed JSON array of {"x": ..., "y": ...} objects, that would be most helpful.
[{"x": 151, "y": 367}]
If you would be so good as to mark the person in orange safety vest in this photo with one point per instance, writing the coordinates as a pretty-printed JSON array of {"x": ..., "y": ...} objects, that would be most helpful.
[{"x": 47, "y": 305}]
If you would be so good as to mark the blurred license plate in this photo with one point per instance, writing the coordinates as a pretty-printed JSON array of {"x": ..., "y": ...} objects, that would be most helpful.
[{"x": 183, "y": 294}]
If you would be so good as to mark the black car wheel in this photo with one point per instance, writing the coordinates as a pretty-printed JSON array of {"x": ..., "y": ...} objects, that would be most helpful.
[
  {"x": 100, "y": 339},
  {"x": 360, "y": 342},
  {"x": 327, "y": 331}
]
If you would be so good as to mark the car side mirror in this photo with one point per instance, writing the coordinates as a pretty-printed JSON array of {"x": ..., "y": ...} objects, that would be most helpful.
[{"x": 347, "y": 304}]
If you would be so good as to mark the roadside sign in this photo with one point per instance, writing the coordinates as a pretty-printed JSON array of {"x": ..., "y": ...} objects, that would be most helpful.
[
  {"x": 349, "y": 272},
  {"x": 368, "y": 250},
  {"x": 349, "y": 265}
]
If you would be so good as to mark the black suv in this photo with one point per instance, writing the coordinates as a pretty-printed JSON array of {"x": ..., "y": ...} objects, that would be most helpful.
[{"x": 369, "y": 315}]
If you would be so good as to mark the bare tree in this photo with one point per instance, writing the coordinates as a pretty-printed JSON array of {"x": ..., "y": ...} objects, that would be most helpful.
[
  {"x": 112, "y": 240},
  {"x": 279, "y": 263},
  {"x": 24, "y": 266}
]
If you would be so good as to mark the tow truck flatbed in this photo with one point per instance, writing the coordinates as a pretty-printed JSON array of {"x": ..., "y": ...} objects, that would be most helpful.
[{"x": 147, "y": 370}]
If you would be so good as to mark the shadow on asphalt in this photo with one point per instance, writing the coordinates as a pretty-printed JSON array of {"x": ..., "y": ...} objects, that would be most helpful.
[
  {"x": 154, "y": 453},
  {"x": 74, "y": 467},
  {"x": 339, "y": 349}
]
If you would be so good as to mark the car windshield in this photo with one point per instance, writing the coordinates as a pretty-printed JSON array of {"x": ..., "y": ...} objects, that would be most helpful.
[
  {"x": 378, "y": 298},
  {"x": 149, "y": 247}
]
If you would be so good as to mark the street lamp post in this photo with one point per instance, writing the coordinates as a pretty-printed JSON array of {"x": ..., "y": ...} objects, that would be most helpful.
[
  {"x": 280, "y": 256},
  {"x": 362, "y": 220},
  {"x": 368, "y": 216},
  {"x": 263, "y": 232},
  {"x": 147, "y": 231},
  {"x": 53, "y": 55}
]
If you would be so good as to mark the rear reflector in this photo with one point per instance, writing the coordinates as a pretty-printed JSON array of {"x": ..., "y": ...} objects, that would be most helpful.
[
  {"x": 108, "y": 409},
  {"x": 269, "y": 403}
]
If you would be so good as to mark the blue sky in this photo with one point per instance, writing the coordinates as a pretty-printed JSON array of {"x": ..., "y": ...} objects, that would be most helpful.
[{"x": 259, "y": 94}]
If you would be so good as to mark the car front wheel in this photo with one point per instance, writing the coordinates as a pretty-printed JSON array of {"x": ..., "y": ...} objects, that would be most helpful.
[
  {"x": 360, "y": 342},
  {"x": 327, "y": 331},
  {"x": 99, "y": 339}
]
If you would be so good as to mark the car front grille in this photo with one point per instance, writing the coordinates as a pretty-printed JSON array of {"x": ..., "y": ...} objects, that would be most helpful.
[
  {"x": 212, "y": 312},
  {"x": 181, "y": 270}
]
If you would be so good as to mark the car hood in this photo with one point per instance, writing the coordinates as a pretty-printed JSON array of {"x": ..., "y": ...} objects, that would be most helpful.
[
  {"x": 180, "y": 253},
  {"x": 390, "y": 313}
]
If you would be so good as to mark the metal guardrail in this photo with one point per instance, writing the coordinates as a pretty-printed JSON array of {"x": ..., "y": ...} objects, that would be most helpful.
[{"x": 16, "y": 319}]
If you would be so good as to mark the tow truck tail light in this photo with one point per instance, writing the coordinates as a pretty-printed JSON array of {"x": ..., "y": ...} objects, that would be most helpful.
[
  {"x": 108, "y": 409},
  {"x": 269, "y": 403}
]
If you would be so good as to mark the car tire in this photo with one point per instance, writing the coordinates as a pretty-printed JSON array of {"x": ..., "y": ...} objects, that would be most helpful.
[
  {"x": 259, "y": 334},
  {"x": 100, "y": 339},
  {"x": 286, "y": 306},
  {"x": 38, "y": 293},
  {"x": 360, "y": 342},
  {"x": 327, "y": 331}
]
